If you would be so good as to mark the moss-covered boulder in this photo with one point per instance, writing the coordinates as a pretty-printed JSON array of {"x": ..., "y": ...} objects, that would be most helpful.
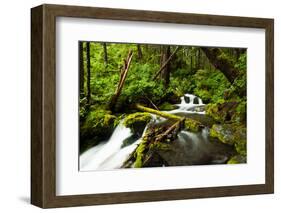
[
  {"x": 192, "y": 125},
  {"x": 232, "y": 134},
  {"x": 97, "y": 126},
  {"x": 137, "y": 122}
]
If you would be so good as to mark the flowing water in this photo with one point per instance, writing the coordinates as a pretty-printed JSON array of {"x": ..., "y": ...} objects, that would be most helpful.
[{"x": 192, "y": 148}]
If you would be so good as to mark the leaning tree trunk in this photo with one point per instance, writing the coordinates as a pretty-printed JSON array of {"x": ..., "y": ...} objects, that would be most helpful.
[
  {"x": 165, "y": 63},
  {"x": 88, "y": 73},
  {"x": 121, "y": 82},
  {"x": 81, "y": 68},
  {"x": 221, "y": 63}
]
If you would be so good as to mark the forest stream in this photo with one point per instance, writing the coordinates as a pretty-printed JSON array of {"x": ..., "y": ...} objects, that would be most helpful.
[{"x": 186, "y": 148}]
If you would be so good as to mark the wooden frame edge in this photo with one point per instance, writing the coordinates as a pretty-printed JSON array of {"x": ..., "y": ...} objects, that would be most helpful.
[{"x": 43, "y": 174}]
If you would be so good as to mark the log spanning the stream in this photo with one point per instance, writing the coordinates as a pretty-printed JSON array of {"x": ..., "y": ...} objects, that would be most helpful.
[
  {"x": 189, "y": 123},
  {"x": 156, "y": 112}
]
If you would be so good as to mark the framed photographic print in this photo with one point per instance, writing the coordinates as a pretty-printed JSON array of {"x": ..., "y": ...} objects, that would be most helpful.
[{"x": 135, "y": 106}]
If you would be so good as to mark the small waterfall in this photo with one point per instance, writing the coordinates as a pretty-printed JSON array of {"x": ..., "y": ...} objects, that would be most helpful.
[
  {"x": 205, "y": 134},
  {"x": 102, "y": 154},
  {"x": 191, "y": 135},
  {"x": 188, "y": 103}
]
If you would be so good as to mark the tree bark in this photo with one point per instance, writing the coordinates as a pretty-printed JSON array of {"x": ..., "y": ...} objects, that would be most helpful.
[
  {"x": 88, "y": 73},
  {"x": 165, "y": 74},
  {"x": 156, "y": 112},
  {"x": 191, "y": 62},
  {"x": 139, "y": 51},
  {"x": 190, "y": 124},
  {"x": 198, "y": 66},
  {"x": 220, "y": 63},
  {"x": 105, "y": 55},
  {"x": 121, "y": 82},
  {"x": 165, "y": 64},
  {"x": 81, "y": 68},
  {"x": 175, "y": 127}
]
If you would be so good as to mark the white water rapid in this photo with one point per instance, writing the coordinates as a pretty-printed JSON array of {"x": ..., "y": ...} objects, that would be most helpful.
[
  {"x": 110, "y": 154},
  {"x": 190, "y": 104}
]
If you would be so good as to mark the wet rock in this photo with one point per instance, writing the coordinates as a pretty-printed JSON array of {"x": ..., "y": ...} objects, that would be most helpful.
[
  {"x": 232, "y": 134},
  {"x": 187, "y": 99},
  {"x": 195, "y": 100}
]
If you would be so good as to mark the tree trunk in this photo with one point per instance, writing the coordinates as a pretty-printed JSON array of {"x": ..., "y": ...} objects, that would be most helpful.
[
  {"x": 105, "y": 55},
  {"x": 221, "y": 63},
  {"x": 191, "y": 62},
  {"x": 139, "y": 52},
  {"x": 159, "y": 113},
  {"x": 198, "y": 66},
  {"x": 165, "y": 63},
  {"x": 238, "y": 52},
  {"x": 81, "y": 68},
  {"x": 165, "y": 74},
  {"x": 121, "y": 82},
  {"x": 88, "y": 73}
]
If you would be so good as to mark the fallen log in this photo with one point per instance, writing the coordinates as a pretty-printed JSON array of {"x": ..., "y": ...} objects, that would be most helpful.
[
  {"x": 157, "y": 112},
  {"x": 189, "y": 123},
  {"x": 175, "y": 127}
]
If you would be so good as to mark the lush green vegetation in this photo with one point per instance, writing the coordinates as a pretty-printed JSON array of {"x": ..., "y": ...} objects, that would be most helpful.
[{"x": 115, "y": 77}]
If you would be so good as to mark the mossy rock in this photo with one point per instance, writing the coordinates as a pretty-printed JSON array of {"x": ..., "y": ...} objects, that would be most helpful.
[
  {"x": 222, "y": 112},
  {"x": 192, "y": 125},
  {"x": 97, "y": 126},
  {"x": 237, "y": 159},
  {"x": 137, "y": 122},
  {"x": 166, "y": 106},
  {"x": 232, "y": 134}
]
